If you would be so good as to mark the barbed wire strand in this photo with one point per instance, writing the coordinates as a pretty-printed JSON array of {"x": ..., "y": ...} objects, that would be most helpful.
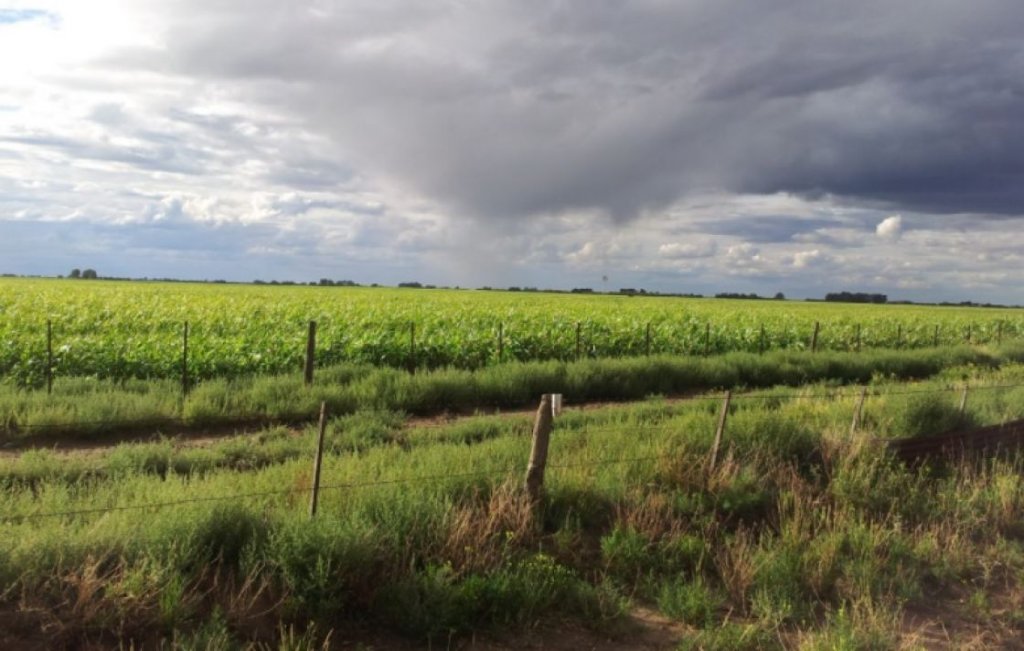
[
  {"x": 301, "y": 419},
  {"x": 507, "y": 472},
  {"x": 221, "y": 498}
]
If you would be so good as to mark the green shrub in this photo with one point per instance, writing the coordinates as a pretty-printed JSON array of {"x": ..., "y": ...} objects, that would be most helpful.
[{"x": 691, "y": 602}]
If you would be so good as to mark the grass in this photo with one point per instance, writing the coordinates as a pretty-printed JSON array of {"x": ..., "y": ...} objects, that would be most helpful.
[
  {"x": 90, "y": 407},
  {"x": 802, "y": 537},
  {"x": 790, "y": 418}
]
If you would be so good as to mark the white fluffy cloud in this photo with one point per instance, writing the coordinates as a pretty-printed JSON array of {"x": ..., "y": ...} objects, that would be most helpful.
[
  {"x": 703, "y": 248},
  {"x": 890, "y": 228},
  {"x": 804, "y": 259}
]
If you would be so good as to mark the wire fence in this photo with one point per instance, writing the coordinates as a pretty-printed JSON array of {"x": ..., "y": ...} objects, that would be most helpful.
[
  {"x": 14, "y": 426},
  {"x": 541, "y": 434},
  {"x": 185, "y": 351}
]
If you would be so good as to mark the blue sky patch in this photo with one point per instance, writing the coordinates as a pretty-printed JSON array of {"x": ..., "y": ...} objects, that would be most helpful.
[{"x": 10, "y": 16}]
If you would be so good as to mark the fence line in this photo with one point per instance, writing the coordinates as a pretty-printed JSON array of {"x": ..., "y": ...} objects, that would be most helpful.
[
  {"x": 580, "y": 342},
  {"x": 421, "y": 479},
  {"x": 236, "y": 496},
  {"x": 306, "y": 418},
  {"x": 550, "y": 407}
]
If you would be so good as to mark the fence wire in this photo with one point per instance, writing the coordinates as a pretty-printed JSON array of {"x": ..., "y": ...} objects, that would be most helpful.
[
  {"x": 13, "y": 518},
  {"x": 307, "y": 418}
]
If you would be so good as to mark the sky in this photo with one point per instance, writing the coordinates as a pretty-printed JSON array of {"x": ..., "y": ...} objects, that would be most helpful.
[{"x": 801, "y": 146}]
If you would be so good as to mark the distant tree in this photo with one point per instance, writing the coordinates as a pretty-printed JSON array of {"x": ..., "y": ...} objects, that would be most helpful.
[
  {"x": 736, "y": 295},
  {"x": 779, "y": 296},
  {"x": 856, "y": 297},
  {"x": 90, "y": 273},
  {"x": 75, "y": 273}
]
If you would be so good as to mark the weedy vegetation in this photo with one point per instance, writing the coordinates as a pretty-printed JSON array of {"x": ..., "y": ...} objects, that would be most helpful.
[{"x": 804, "y": 535}]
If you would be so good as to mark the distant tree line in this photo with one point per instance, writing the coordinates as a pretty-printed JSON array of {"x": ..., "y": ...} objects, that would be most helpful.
[
  {"x": 327, "y": 282},
  {"x": 843, "y": 297},
  {"x": 856, "y": 297},
  {"x": 779, "y": 296}
]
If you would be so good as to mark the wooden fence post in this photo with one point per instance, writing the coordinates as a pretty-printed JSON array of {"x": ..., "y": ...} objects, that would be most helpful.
[
  {"x": 49, "y": 356},
  {"x": 969, "y": 332},
  {"x": 963, "y": 401},
  {"x": 857, "y": 345},
  {"x": 719, "y": 431},
  {"x": 814, "y": 337},
  {"x": 184, "y": 360},
  {"x": 707, "y": 339},
  {"x": 999, "y": 333},
  {"x": 858, "y": 410},
  {"x": 935, "y": 339},
  {"x": 542, "y": 426},
  {"x": 310, "y": 352},
  {"x": 760, "y": 350},
  {"x": 314, "y": 495},
  {"x": 899, "y": 334},
  {"x": 647, "y": 340},
  {"x": 578, "y": 339}
]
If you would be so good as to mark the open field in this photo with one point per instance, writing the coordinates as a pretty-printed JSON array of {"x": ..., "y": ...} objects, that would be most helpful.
[
  {"x": 135, "y": 330},
  {"x": 804, "y": 536}
]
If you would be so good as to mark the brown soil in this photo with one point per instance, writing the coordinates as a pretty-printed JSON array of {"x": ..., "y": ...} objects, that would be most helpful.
[{"x": 644, "y": 630}]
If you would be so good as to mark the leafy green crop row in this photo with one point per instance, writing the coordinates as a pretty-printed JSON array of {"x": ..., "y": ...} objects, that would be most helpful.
[{"x": 135, "y": 330}]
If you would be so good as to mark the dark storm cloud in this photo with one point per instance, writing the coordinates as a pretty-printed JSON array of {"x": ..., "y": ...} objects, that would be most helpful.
[{"x": 517, "y": 108}]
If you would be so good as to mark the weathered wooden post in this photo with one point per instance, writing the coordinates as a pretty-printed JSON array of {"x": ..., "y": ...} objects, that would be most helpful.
[
  {"x": 858, "y": 410},
  {"x": 999, "y": 332},
  {"x": 647, "y": 340},
  {"x": 760, "y": 349},
  {"x": 857, "y": 344},
  {"x": 935, "y": 339},
  {"x": 314, "y": 495},
  {"x": 969, "y": 332},
  {"x": 542, "y": 426},
  {"x": 707, "y": 339},
  {"x": 814, "y": 337},
  {"x": 719, "y": 431},
  {"x": 899, "y": 334},
  {"x": 49, "y": 356},
  {"x": 310, "y": 353},
  {"x": 963, "y": 401},
  {"x": 579, "y": 340}
]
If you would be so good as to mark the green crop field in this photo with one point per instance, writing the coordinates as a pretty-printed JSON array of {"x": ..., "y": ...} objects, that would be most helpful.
[{"x": 135, "y": 330}]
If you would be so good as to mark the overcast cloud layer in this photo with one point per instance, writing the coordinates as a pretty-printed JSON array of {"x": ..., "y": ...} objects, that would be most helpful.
[{"x": 800, "y": 146}]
